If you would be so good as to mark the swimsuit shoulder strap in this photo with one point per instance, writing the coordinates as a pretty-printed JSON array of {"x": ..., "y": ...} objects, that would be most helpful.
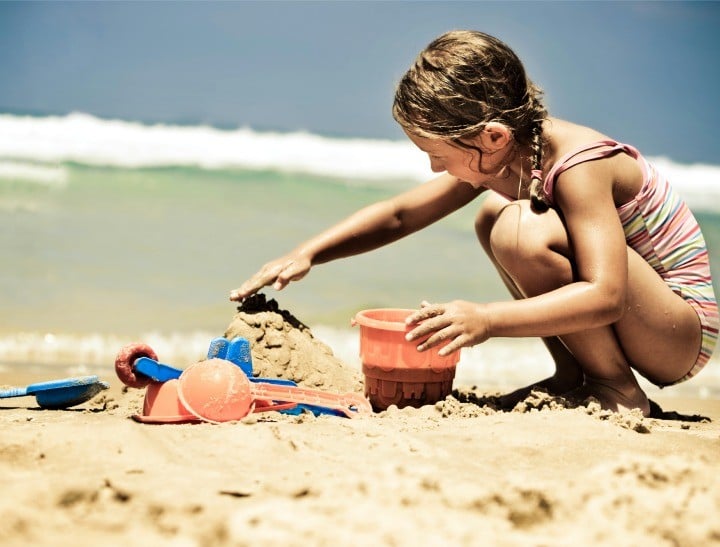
[{"x": 589, "y": 152}]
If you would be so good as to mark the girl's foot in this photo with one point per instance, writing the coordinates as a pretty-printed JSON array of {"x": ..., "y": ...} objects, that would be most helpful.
[
  {"x": 554, "y": 385},
  {"x": 612, "y": 397}
]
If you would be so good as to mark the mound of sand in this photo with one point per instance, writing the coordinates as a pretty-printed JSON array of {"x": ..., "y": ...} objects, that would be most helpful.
[{"x": 283, "y": 347}]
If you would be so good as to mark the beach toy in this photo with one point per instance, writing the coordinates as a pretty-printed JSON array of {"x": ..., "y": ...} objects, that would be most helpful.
[
  {"x": 125, "y": 363},
  {"x": 236, "y": 351},
  {"x": 136, "y": 365},
  {"x": 58, "y": 394},
  {"x": 217, "y": 391},
  {"x": 162, "y": 405},
  {"x": 396, "y": 373}
]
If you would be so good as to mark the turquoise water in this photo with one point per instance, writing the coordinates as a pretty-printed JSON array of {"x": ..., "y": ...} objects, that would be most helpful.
[
  {"x": 131, "y": 250},
  {"x": 98, "y": 253}
]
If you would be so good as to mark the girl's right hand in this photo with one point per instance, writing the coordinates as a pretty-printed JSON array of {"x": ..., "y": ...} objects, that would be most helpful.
[{"x": 278, "y": 273}]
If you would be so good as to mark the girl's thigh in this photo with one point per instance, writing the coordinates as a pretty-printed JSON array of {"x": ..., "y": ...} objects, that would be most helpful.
[{"x": 659, "y": 331}]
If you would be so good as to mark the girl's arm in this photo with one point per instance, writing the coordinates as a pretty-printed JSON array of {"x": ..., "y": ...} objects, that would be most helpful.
[
  {"x": 599, "y": 252},
  {"x": 595, "y": 298},
  {"x": 370, "y": 228}
]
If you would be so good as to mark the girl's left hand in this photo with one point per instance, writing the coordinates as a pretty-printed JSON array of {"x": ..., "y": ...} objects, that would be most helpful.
[{"x": 462, "y": 323}]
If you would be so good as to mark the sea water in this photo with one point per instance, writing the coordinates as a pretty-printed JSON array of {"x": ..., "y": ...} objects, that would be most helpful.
[{"x": 114, "y": 231}]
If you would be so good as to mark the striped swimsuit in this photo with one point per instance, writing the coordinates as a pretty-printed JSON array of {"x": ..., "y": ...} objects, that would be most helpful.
[{"x": 659, "y": 226}]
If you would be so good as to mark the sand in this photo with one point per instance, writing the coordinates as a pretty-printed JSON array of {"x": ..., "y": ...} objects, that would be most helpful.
[{"x": 451, "y": 473}]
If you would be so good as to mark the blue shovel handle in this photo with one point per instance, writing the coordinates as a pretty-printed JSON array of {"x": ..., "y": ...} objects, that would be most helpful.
[
  {"x": 156, "y": 371},
  {"x": 14, "y": 392}
]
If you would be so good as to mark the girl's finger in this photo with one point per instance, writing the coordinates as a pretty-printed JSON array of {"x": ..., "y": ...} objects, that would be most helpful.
[
  {"x": 427, "y": 327},
  {"x": 452, "y": 347},
  {"x": 426, "y": 312},
  {"x": 438, "y": 337}
]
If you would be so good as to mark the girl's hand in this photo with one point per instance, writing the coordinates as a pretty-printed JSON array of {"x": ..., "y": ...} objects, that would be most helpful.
[
  {"x": 458, "y": 323},
  {"x": 278, "y": 273}
]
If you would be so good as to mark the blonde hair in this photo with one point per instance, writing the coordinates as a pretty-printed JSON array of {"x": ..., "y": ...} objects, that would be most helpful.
[{"x": 464, "y": 80}]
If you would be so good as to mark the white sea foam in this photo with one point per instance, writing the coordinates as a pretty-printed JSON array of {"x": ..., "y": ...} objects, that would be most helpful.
[
  {"x": 49, "y": 175},
  {"x": 77, "y": 353},
  {"x": 88, "y": 140},
  {"x": 39, "y": 145}
]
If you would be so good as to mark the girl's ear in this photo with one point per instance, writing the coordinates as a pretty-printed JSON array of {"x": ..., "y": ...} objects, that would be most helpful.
[{"x": 495, "y": 136}]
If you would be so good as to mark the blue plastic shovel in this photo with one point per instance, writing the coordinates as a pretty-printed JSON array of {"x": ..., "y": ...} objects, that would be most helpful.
[{"x": 57, "y": 394}]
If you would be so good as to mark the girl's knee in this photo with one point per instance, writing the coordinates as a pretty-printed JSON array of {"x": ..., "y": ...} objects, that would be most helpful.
[
  {"x": 487, "y": 215},
  {"x": 522, "y": 240}
]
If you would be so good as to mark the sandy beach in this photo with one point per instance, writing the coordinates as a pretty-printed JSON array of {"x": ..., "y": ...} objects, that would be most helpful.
[{"x": 451, "y": 473}]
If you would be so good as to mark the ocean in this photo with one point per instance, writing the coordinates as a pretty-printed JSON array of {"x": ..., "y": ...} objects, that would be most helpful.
[{"x": 116, "y": 231}]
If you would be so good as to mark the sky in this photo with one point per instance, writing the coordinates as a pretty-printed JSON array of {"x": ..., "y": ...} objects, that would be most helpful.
[{"x": 646, "y": 73}]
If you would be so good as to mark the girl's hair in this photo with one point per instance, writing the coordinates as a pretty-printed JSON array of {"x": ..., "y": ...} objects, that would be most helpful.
[{"x": 462, "y": 81}]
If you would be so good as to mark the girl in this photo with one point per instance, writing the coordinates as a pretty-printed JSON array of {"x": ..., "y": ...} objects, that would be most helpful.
[{"x": 605, "y": 262}]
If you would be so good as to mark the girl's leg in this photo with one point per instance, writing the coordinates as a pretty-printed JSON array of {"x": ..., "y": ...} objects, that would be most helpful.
[
  {"x": 568, "y": 374},
  {"x": 659, "y": 335}
]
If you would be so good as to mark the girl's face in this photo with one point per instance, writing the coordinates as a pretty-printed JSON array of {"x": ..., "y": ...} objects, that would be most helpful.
[{"x": 478, "y": 166}]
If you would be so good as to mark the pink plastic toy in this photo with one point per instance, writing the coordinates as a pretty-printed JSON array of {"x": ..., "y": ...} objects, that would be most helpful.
[{"x": 218, "y": 391}]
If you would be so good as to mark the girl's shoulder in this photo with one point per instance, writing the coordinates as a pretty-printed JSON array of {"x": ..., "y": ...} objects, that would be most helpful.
[
  {"x": 571, "y": 144},
  {"x": 563, "y": 137}
]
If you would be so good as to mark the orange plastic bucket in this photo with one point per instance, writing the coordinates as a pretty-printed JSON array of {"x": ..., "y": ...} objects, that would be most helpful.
[{"x": 396, "y": 373}]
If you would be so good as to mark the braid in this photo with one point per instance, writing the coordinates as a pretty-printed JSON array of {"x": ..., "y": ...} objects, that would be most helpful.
[{"x": 538, "y": 200}]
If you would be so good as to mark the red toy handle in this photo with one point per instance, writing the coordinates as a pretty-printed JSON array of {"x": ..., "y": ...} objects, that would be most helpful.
[
  {"x": 350, "y": 404},
  {"x": 125, "y": 364}
]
